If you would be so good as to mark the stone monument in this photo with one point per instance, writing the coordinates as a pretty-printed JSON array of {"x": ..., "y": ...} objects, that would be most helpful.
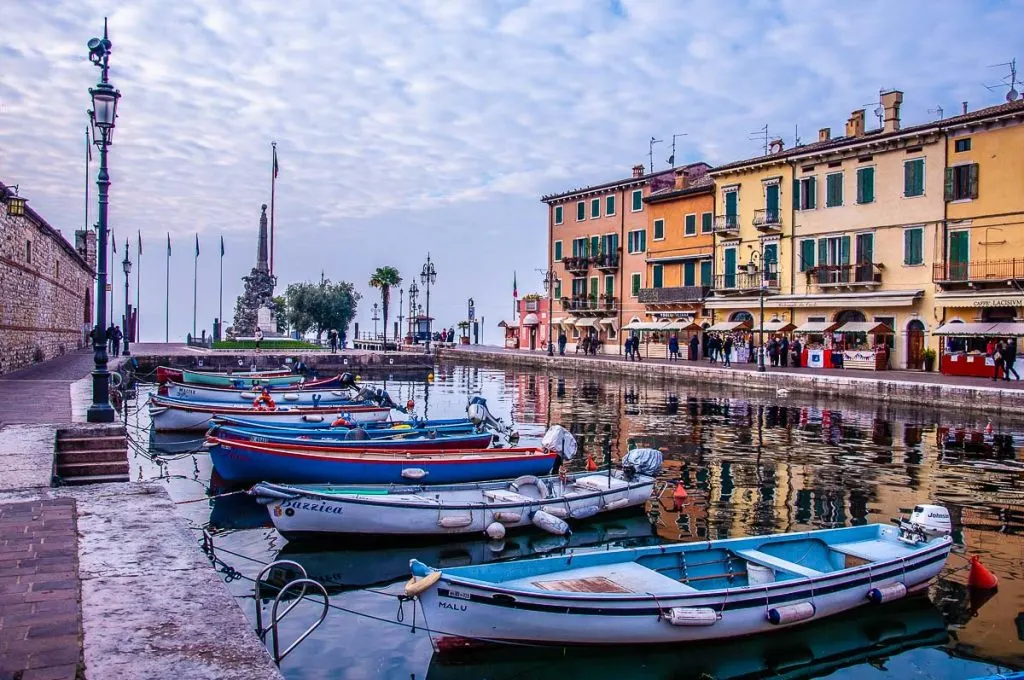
[{"x": 253, "y": 309}]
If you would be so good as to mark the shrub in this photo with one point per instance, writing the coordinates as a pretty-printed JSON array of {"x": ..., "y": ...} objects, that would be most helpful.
[{"x": 266, "y": 344}]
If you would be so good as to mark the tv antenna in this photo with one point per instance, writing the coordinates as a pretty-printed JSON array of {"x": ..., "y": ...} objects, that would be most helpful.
[
  {"x": 761, "y": 136},
  {"x": 650, "y": 152},
  {"x": 936, "y": 111},
  {"x": 796, "y": 134},
  {"x": 672, "y": 158},
  {"x": 1011, "y": 81},
  {"x": 879, "y": 109}
]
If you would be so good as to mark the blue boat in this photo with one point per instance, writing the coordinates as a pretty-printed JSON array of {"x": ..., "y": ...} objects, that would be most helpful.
[
  {"x": 385, "y": 428},
  {"x": 405, "y": 440},
  {"x": 245, "y": 462}
]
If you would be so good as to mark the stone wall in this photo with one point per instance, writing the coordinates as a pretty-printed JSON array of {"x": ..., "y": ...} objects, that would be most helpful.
[{"x": 46, "y": 290}]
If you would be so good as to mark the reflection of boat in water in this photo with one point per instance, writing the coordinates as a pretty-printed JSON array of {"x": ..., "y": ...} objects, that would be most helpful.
[
  {"x": 174, "y": 442},
  {"x": 355, "y": 564},
  {"x": 237, "y": 511},
  {"x": 809, "y": 651}
]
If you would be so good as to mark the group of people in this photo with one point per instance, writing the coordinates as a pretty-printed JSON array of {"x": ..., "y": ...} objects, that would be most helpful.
[
  {"x": 588, "y": 344},
  {"x": 779, "y": 351},
  {"x": 1004, "y": 355},
  {"x": 444, "y": 335},
  {"x": 113, "y": 336}
]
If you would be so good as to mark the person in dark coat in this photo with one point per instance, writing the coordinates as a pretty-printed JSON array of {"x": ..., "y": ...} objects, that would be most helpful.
[
  {"x": 713, "y": 349},
  {"x": 797, "y": 350},
  {"x": 636, "y": 347},
  {"x": 1009, "y": 358},
  {"x": 561, "y": 343},
  {"x": 998, "y": 358},
  {"x": 751, "y": 356},
  {"x": 727, "y": 350},
  {"x": 784, "y": 351},
  {"x": 673, "y": 347},
  {"x": 110, "y": 338},
  {"x": 694, "y": 348},
  {"x": 773, "y": 352}
]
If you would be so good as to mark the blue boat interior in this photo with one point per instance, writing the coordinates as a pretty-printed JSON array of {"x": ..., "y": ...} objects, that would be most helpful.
[{"x": 694, "y": 567}]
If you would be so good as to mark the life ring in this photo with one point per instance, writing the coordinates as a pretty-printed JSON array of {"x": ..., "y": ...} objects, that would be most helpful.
[
  {"x": 115, "y": 379},
  {"x": 264, "y": 402},
  {"x": 415, "y": 585},
  {"x": 530, "y": 480},
  {"x": 341, "y": 422}
]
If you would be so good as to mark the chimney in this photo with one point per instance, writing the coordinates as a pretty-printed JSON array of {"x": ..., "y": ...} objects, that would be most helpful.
[
  {"x": 965, "y": 108},
  {"x": 681, "y": 179},
  {"x": 775, "y": 146},
  {"x": 638, "y": 170},
  {"x": 824, "y": 134},
  {"x": 855, "y": 125},
  {"x": 891, "y": 101}
]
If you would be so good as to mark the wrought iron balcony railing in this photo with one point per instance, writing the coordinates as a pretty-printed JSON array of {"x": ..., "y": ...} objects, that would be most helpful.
[
  {"x": 678, "y": 294},
  {"x": 746, "y": 281},
  {"x": 978, "y": 271},
  {"x": 727, "y": 224},
  {"x": 862, "y": 274},
  {"x": 576, "y": 265},
  {"x": 583, "y": 304},
  {"x": 606, "y": 262},
  {"x": 767, "y": 220}
]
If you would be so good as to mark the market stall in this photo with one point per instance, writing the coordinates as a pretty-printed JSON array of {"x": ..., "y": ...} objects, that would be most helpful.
[
  {"x": 817, "y": 343},
  {"x": 653, "y": 337},
  {"x": 861, "y": 345},
  {"x": 511, "y": 334},
  {"x": 740, "y": 332},
  {"x": 965, "y": 347}
]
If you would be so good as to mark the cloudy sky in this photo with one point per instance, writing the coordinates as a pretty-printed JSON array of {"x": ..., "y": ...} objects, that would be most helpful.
[{"x": 408, "y": 127}]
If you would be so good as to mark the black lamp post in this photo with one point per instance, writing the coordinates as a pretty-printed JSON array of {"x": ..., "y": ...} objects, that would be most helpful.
[
  {"x": 126, "y": 264},
  {"x": 376, "y": 318},
  {"x": 414, "y": 292},
  {"x": 427, "y": 276},
  {"x": 102, "y": 116},
  {"x": 755, "y": 265},
  {"x": 549, "y": 288},
  {"x": 401, "y": 295}
]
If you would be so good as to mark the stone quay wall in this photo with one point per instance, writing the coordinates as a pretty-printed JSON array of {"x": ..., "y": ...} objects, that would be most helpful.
[
  {"x": 412, "y": 364},
  {"x": 46, "y": 290},
  {"x": 954, "y": 397}
]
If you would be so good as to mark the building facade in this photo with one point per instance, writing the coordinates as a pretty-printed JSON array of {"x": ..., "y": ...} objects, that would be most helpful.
[{"x": 46, "y": 285}]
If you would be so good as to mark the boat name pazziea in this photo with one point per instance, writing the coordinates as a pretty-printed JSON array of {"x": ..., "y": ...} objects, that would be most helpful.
[{"x": 312, "y": 507}]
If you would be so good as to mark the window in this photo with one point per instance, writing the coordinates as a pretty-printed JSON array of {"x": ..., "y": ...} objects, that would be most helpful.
[
  {"x": 610, "y": 244},
  {"x": 771, "y": 263},
  {"x": 637, "y": 241},
  {"x": 962, "y": 182},
  {"x": 706, "y": 221},
  {"x": 593, "y": 287},
  {"x": 690, "y": 225},
  {"x": 638, "y": 200},
  {"x": 865, "y": 185},
  {"x": 913, "y": 251},
  {"x": 689, "y": 273},
  {"x": 595, "y": 246},
  {"x": 805, "y": 193},
  {"x": 595, "y": 208},
  {"x": 806, "y": 254},
  {"x": 558, "y": 251},
  {"x": 28, "y": 252},
  {"x": 558, "y": 214},
  {"x": 659, "y": 230},
  {"x": 705, "y": 272},
  {"x": 609, "y": 205},
  {"x": 579, "y": 287},
  {"x": 732, "y": 207},
  {"x": 558, "y": 289},
  {"x": 729, "y": 277},
  {"x": 913, "y": 177},
  {"x": 962, "y": 145},
  {"x": 579, "y": 247},
  {"x": 581, "y": 211},
  {"x": 609, "y": 285},
  {"x": 834, "y": 190},
  {"x": 771, "y": 203},
  {"x": 634, "y": 284},
  {"x": 833, "y": 253},
  {"x": 659, "y": 276}
]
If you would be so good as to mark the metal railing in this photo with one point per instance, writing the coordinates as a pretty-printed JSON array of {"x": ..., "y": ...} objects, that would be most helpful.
[
  {"x": 765, "y": 219},
  {"x": 743, "y": 280},
  {"x": 978, "y": 270},
  {"x": 726, "y": 224},
  {"x": 586, "y": 303},
  {"x": 675, "y": 294},
  {"x": 606, "y": 261},
  {"x": 862, "y": 274},
  {"x": 576, "y": 264}
]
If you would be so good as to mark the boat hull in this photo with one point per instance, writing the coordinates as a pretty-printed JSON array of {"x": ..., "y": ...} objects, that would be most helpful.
[
  {"x": 474, "y": 610},
  {"x": 166, "y": 373},
  {"x": 237, "y": 462},
  {"x": 281, "y": 394},
  {"x": 410, "y": 441},
  {"x": 326, "y": 429},
  {"x": 407, "y": 512},
  {"x": 178, "y": 416},
  {"x": 241, "y": 380}
]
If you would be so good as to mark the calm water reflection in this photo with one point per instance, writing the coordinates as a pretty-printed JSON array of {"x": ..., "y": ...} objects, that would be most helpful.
[{"x": 750, "y": 464}]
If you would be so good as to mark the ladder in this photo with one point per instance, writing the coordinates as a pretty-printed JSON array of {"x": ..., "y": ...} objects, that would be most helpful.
[{"x": 298, "y": 584}]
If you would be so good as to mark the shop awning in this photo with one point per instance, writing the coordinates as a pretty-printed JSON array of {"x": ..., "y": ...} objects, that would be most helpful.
[
  {"x": 775, "y": 326},
  {"x": 868, "y": 327},
  {"x": 1008, "y": 329},
  {"x": 560, "y": 321},
  {"x": 816, "y": 327},
  {"x": 646, "y": 325},
  {"x": 730, "y": 326},
  {"x": 584, "y": 323},
  {"x": 531, "y": 320},
  {"x": 682, "y": 325},
  {"x": 983, "y": 329},
  {"x": 609, "y": 322}
]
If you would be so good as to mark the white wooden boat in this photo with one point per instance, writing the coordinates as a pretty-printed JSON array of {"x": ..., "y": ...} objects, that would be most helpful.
[
  {"x": 175, "y": 415},
  {"x": 307, "y": 510},
  {"x": 685, "y": 592},
  {"x": 242, "y": 397}
]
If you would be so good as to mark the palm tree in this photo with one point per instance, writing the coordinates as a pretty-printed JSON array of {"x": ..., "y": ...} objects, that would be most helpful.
[{"x": 384, "y": 278}]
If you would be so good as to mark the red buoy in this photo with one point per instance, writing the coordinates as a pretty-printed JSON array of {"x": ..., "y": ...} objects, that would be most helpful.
[
  {"x": 409, "y": 405},
  {"x": 591, "y": 465},
  {"x": 980, "y": 577},
  {"x": 988, "y": 428},
  {"x": 679, "y": 495}
]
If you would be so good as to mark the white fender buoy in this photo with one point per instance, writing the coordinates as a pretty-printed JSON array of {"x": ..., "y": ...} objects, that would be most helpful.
[
  {"x": 291, "y": 396},
  {"x": 558, "y": 511},
  {"x": 414, "y": 473},
  {"x": 790, "y": 613},
  {"x": 495, "y": 531},
  {"x": 691, "y": 616},
  {"x": 248, "y": 396},
  {"x": 313, "y": 419},
  {"x": 416, "y": 585},
  {"x": 615, "y": 505},
  {"x": 454, "y": 521},
  {"x": 584, "y": 512},
  {"x": 549, "y": 523},
  {"x": 508, "y": 517},
  {"x": 893, "y": 591},
  {"x": 530, "y": 480}
]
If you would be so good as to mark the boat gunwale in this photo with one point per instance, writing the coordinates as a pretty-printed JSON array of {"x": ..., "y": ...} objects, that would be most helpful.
[
  {"x": 343, "y": 445},
  {"x": 182, "y": 405},
  {"x": 311, "y": 385}
]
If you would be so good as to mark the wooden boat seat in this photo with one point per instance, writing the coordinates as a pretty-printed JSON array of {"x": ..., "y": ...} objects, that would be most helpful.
[
  {"x": 601, "y": 483},
  {"x": 625, "y": 577},
  {"x": 766, "y": 560},
  {"x": 873, "y": 550},
  {"x": 502, "y": 496}
]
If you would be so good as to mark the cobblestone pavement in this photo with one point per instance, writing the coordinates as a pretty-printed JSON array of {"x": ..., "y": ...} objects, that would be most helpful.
[
  {"x": 41, "y": 393},
  {"x": 40, "y": 602}
]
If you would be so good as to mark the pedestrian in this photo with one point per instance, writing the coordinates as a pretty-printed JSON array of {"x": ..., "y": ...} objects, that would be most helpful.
[
  {"x": 636, "y": 347},
  {"x": 561, "y": 343},
  {"x": 1009, "y": 359},
  {"x": 713, "y": 349},
  {"x": 259, "y": 338},
  {"x": 332, "y": 338},
  {"x": 673, "y": 347},
  {"x": 796, "y": 352},
  {"x": 773, "y": 352},
  {"x": 727, "y": 350},
  {"x": 110, "y": 338},
  {"x": 998, "y": 358},
  {"x": 751, "y": 357},
  {"x": 784, "y": 351},
  {"x": 694, "y": 348},
  {"x": 627, "y": 347},
  {"x": 584, "y": 344},
  {"x": 117, "y": 340}
]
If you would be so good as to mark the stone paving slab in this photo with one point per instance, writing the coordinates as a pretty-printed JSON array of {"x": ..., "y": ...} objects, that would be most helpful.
[
  {"x": 40, "y": 393},
  {"x": 40, "y": 604},
  {"x": 26, "y": 456}
]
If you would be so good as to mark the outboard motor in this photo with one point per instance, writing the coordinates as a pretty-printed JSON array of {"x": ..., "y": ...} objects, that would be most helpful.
[
  {"x": 925, "y": 523},
  {"x": 479, "y": 415},
  {"x": 561, "y": 441},
  {"x": 365, "y": 393},
  {"x": 347, "y": 380},
  {"x": 645, "y": 462},
  {"x": 384, "y": 399}
]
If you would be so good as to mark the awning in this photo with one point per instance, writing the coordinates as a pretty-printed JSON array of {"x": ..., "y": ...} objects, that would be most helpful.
[
  {"x": 585, "y": 323},
  {"x": 531, "y": 320},
  {"x": 869, "y": 327},
  {"x": 1008, "y": 329},
  {"x": 979, "y": 298},
  {"x": 730, "y": 326},
  {"x": 984, "y": 329},
  {"x": 881, "y": 298},
  {"x": 816, "y": 327},
  {"x": 646, "y": 325},
  {"x": 682, "y": 325},
  {"x": 609, "y": 322},
  {"x": 560, "y": 321},
  {"x": 775, "y": 326},
  {"x": 508, "y": 324}
]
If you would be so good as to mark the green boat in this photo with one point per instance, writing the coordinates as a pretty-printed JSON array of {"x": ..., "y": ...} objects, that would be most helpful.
[{"x": 238, "y": 381}]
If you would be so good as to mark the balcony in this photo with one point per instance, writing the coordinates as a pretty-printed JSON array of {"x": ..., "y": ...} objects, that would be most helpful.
[
  {"x": 576, "y": 265},
  {"x": 978, "y": 272},
  {"x": 682, "y": 295},
  {"x": 727, "y": 224},
  {"x": 866, "y": 274},
  {"x": 606, "y": 262},
  {"x": 744, "y": 282},
  {"x": 584, "y": 305},
  {"x": 768, "y": 221}
]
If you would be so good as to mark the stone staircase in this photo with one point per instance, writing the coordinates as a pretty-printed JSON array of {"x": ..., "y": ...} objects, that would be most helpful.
[{"x": 90, "y": 454}]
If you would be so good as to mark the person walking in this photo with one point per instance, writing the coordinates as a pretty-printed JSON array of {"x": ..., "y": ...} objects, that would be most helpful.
[
  {"x": 796, "y": 352},
  {"x": 117, "y": 340},
  {"x": 751, "y": 357},
  {"x": 332, "y": 338},
  {"x": 998, "y": 358},
  {"x": 110, "y": 338},
  {"x": 713, "y": 349},
  {"x": 628, "y": 347},
  {"x": 561, "y": 343},
  {"x": 1009, "y": 359},
  {"x": 727, "y": 351},
  {"x": 636, "y": 347},
  {"x": 673, "y": 347},
  {"x": 773, "y": 352},
  {"x": 259, "y": 338},
  {"x": 784, "y": 351},
  {"x": 694, "y": 348}
]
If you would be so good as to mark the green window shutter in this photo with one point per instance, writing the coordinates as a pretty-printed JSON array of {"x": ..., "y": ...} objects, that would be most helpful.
[
  {"x": 908, "y": 179},
  {"x": 689, "y": 273},
  {"x": 729, "y": 277},
  {"x": 658, "y": 276},
  {"x": 845, "y": 252},
  {"x": 812, "y": 193},
  {"x": 581, "y": 211},
  {"x": 796, "y": 194},
  {"x": 638, "y": 200},
  {"x": 691, "y": 225},
  {"x": 822, "y": 252},
  {"x": 865, "y": 248},
  {"x": 609, "y": 286},
  {"x": 705, "y": 273},
  {"x": 659, "y": 229},
  {"x": 558, "y": 250},
  {"x": 919, "y": 177},
  {"x": 595, "y": 246},
  {"x": 731, "y": 204},
  {"x": 771, "y": 200},
  {"x": 973, "y": 179},
  {"x": 558, "y": 288},
  {"x": 806, "y": 254},
  {"x": 918, "y": 246},
  {"x": 834, "y": 190},
  {"x": 609, "y": 205},
  {"x": 593, "y": 286},
  {"x": 643, "y": 241},
  {"x": 635, "y": 285},
  {"x": 705, "y": 223},
  {"x": 948, "y": 187},
  {"x": 595, "y": 207},
  {"x": 558, "y": 214},
  {"x": 913, "y": 178},
  {"x": 908, "y": 247},
  {"x": 866, "y": 185}
]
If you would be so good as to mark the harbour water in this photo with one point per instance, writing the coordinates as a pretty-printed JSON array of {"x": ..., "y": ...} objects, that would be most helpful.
[{"x": 751, "y": 464}]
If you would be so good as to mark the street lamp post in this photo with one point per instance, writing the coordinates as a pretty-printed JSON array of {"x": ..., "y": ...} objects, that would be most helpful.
[
  {"x": 376, "y": 318},
  {"x": 549, "y": 288},
  {"x": 414, "y": 292},
  {"x": 102, "y": 116},
  {"x": 427, "y": 276},
  {"x": 754, "y": 266},
  {"x": 126, "y": 264},
  {"x": 401, "y": 294}
]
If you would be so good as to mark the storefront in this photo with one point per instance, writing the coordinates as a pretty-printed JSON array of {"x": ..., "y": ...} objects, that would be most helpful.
[
  {"x": 655, "y": 335},
  {"x": 742, "y": 340},
  {"x": 967, "y": 348},
  {"x": 864, "y": 345},
  {"x": 816, "y": 338}
]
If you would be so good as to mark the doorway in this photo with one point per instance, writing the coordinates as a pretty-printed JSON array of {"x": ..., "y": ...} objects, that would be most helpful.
[
  {"x": 915, "y": 345},
  {"x": 533, "y": 337}
]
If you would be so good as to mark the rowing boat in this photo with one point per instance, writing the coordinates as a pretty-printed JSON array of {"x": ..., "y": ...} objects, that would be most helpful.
[
  {"x": 328, "y": 389},
  {"x": 688, "y": 592},
  {"x": 240, "y": 380},
  {"x": 175, "y": 415},
  {"x": 330, "y": 430},
  {"x": 166, "y": 373},
  {"x": 359, "y": 439}
]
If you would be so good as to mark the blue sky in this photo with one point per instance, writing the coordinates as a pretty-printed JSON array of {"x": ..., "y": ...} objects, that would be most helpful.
[{"x": 404, "y": 127}]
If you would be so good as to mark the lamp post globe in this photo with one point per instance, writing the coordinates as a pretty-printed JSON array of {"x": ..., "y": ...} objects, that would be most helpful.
[
  {"x": 427, "y": 276},
  {"x": 126, "y": 265}
]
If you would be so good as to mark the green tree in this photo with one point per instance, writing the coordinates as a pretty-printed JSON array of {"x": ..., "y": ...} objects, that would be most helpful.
[
  {"x": 385, "y": 278},
  {"x": 279, "y": 304},
  {"x": 320, "y": 306}
]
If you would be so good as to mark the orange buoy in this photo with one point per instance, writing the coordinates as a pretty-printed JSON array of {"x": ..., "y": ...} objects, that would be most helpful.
[
  {"x": 679, "y": 495},
  {"x": 980, "y": 577},
  {"x": 409, "y": 405},
  {"x": 988, "y": 428},
  {"x": 591, "y": 465}
]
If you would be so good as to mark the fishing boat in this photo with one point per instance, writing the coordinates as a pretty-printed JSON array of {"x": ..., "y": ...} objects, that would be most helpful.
[
  {"x": 166, "y": 373},
  {"x": 330, "y": 430},
  {"x": 175, "y": 415},
  {"x": 240, "y": 380},
  {"x": 241, "y": 462},
  {"x": 444, "y": 510},
  {"x": 685, "y": 592},
  {"x": 334, "y": 388},
  {"x": 357, "y": 439}
]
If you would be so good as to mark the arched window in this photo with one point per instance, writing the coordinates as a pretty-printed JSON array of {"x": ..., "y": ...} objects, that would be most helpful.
[
  {"x": 741, "y": 316},
  {"x": 915, "y": 325},
  {"x": 850, "y": 315}
]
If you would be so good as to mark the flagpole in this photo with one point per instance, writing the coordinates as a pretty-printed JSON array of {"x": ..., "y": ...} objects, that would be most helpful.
[
  {"x": 220, "y": 298},
  {"x": 138, "y": 297},
  {"x": 195, "y": 288},
  {"x": 88, "y": 158},
  {"x": 167, "y": 294},
  {"x": 273, "y": 188}
]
